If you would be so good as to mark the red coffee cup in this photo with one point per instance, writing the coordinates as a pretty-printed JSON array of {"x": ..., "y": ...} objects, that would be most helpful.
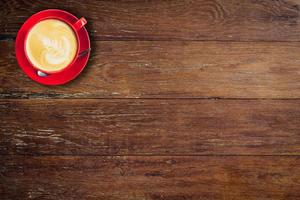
[{"x": 79, "y": 61}]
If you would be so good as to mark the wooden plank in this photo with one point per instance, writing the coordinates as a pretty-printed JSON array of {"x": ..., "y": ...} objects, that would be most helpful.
[
  {"x": 169, "y": 70},
  {"x": 165, "y": 178},
  {"x": 150, "y": 127},
  {"x": 238, "y": 20}
]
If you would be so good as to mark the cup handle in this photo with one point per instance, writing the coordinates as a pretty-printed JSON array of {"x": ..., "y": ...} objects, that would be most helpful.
[{"x": 80, "y": 23}]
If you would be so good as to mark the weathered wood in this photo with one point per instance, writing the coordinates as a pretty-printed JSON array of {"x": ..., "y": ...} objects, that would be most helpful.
[
  {"x": 155, "y": 177},
  {"x": 150, "y": 127},
  {"x": 179, "y": 140},
  {"x": 169, "y": 70},
  {"x": 239, "y": 20}
]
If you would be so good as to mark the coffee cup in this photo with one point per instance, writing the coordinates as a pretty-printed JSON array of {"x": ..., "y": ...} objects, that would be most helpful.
[{"x": 52, "y": 45}]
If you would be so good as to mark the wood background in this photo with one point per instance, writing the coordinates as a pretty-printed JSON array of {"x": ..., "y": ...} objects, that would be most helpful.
[{"x": 183, "y": 99}]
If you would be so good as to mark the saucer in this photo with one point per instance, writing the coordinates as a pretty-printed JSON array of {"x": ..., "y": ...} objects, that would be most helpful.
[{"x": 70, "y": 72}]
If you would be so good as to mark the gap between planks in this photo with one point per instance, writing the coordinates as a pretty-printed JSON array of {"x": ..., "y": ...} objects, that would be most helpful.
[
  {"x": 4, "y": 38},
  {"x": 149, "y": 155},
  {"x": 154, "y": 98}
]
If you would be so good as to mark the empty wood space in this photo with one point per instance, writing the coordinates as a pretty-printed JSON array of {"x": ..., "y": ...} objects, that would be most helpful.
[
  {"x": 183, "y": 99},
  {"x": 228, "y": 20},
  {"x": 160, "y": 69},
  {"x": 154, "y": 177},
  {"x": 150, "y": 127}
]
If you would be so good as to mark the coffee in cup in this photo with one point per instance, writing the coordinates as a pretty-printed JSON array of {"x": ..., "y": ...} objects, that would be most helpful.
[{"x": 51, "y": 45}]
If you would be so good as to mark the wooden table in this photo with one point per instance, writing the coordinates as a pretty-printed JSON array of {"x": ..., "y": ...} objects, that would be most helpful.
[{"x": 181, "y": 99}]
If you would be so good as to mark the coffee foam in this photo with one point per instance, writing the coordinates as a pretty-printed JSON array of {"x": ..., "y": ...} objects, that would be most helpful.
[{"x": 51, "y": 45}]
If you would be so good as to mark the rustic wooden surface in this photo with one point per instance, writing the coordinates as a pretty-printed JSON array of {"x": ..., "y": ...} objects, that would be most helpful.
[
  {"x": 183, "y": 99},
  {"x": 160, "y": 69},
  {"x": 150, "y": 127},
  {"x": 238, "y": 20},
  {"x": 154, "y": 177}
]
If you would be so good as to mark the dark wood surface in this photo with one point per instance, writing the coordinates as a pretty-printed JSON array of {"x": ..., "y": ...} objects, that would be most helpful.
[
  {"x": 150, "y": 127},
  {"x": 164, "y": 69},
  {"x": 152, "y": 177},
  {"x": 238, "y": 20},
  {"x": 183, "y": 99}
]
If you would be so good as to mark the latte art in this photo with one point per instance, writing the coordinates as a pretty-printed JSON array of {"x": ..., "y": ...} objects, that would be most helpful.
[{"x": 51, "y": 45}]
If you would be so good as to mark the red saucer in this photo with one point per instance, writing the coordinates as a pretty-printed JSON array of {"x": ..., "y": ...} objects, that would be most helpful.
[{"x": 74, "y": 68}]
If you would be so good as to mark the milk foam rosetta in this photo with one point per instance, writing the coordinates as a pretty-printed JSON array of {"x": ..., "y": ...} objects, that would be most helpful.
[{"x": 51, "y": 45}]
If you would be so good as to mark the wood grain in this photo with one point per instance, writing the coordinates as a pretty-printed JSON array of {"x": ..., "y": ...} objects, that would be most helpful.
[
  {"x": 159, "y": 178},
  {"x": 150, "y": 127},
  {"x": 119, "y": 69},
  {"x": 227, "y": 20}
]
